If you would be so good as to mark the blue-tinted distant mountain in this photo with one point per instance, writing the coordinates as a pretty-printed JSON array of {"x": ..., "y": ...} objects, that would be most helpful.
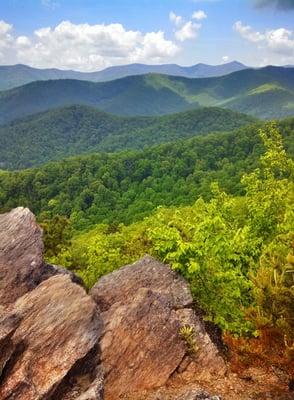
[
  {"x": 195, "y": 71},
  {"x": 17, "y": 75}
]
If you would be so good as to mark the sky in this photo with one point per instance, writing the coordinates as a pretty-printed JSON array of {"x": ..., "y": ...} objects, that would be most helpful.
[{"x": 90, "y": 35}]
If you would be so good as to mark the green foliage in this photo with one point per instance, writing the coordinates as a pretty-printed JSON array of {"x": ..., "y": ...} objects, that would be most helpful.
[
  {"x": 56, "y": 236},
  {"x": 74, "y": 130},
  {"x": 227, "y": 248},
  {"x": 188, "y": 335},
  {"x": 209, "y": 246},
  {"x": 126, "y": 187},
  {"x": 232, "y": 246},
  {"x": 105, "y": 249},
  {"x": 274, "y": 287}
]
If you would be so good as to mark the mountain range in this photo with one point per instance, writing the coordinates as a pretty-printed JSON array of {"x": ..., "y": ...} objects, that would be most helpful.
[
  {"x": 264, "y": 93},
  {"x": 17, "y": 75},
  {"x": 74, "y": 130}
]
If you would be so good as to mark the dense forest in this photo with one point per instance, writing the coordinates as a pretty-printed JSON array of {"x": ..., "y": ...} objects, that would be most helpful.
[
  {"x": 236, "y": 251},
  {"x": 125, "y": 187},
  {"x": 74, "y": 130}
]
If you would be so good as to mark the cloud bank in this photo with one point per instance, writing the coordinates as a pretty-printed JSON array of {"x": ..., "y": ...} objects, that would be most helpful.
[
  {"x": 84, "y": 47},
  {"x": 276, "y": 41}
]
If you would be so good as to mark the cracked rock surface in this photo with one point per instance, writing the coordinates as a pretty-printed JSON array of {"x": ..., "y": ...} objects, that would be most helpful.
[
  {"x": 143, "y": 307},
  {"x": 49, "y": 331}
]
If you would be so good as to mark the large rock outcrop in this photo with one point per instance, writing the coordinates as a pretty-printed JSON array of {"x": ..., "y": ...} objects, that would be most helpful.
[
  {"x": 21, "y": 250},
  {"x": 143, "y": 307},
  {"x": 49, "y": 326},
  {"x": 58, "y": 343},
  {"x": 46, "y": 333}
]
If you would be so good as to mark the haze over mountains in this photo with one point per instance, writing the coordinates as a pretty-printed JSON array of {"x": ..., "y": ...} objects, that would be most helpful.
[
  {"x": 16, "y": 75},
  {"x": 264, "y": 93}
]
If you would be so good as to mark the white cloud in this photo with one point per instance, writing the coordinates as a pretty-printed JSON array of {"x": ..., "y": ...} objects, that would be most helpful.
[
  {"x": 247, "y": 32},
  {"x": 200, "y": 14},
  {"x": 225, "y": 58},
  {"x": 280, "y": 41},
  {"x": 176, "y": 19},
  {"x": 188, "y": 31},
  {"x": 5, "y": 35},
  {"x": 85, "y": 47},
  {"x": 22, "y": 41}
]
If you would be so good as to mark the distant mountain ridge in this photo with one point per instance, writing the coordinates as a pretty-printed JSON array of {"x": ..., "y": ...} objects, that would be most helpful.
[
  {"x": 17, "y": 75},
  {"x": 75, "y": 130},
  {"x": 265, "y": 93}
]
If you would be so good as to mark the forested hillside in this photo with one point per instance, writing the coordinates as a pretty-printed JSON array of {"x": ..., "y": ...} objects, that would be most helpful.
[
  {"x": 265, "y": 93},
  {"x": 74, "y": 130},
  {"x": 236, "y": 251},
  {"x": 127, "y": 186}
]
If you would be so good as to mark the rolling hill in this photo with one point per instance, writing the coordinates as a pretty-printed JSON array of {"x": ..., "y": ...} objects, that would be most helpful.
[
  {"x": 264, "y": 93},
  {"x": 74, "y": 130},
  {"x": 126, "y": 186},
  {"x": 17, "y": 75}
]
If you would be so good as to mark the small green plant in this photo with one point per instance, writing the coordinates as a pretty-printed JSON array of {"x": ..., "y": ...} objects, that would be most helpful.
[{"x": 188, "y": 335}]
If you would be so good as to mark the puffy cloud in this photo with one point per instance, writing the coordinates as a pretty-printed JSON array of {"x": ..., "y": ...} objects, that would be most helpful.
[
  {"x": 247, "y": 32},
  {"x": 200, "y": 14},
  {"x": 85, "y": 47},
  {"x": 279, "y": 42},
  {"x": 5, "y": 35},
  {"x": 225, "y": 58},
  {"x": 22, "y": 41},
  {"x": 176, "y": 19},
  {"x": 188, "y": 31},
  {"x": 279, "y": 4}
]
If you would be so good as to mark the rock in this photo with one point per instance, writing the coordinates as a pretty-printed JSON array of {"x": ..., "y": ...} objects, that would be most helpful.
[
  {"x": 21, "y": 251},
  {"x": 21, "y": 256},
  {"x": 184, "y": 393},
  {"x": 52, "y": 270},
  {"x": 50, "y": 338},
  {"x": 8, "y": 324},
  {"x": 143, "y": 307}
]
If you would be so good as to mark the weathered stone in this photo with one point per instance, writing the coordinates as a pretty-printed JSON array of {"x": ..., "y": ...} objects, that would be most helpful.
[
  {"x": 143, "y": 307},
  {"x": 50, "y": 270},
  {"x": 21, "y": 251},
  {"x": 187, "y": 392},
  {"x": 8, "y": 324},
  {"x": 205, "y": 363},
  {"x": 146, "y": 273},
  {"x": 53, "y": 344}
]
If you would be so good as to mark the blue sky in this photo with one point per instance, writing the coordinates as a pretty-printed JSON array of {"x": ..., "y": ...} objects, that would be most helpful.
[{"x": 92, "y": 34}]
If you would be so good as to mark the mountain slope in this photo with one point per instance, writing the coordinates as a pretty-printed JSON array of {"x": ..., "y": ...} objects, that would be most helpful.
[
  {"x": 123, "y": 187},
  {"x": 160, "y": 94},
  {"x": 73, "y": 130},
  {"x": 17, "y": 75}
]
